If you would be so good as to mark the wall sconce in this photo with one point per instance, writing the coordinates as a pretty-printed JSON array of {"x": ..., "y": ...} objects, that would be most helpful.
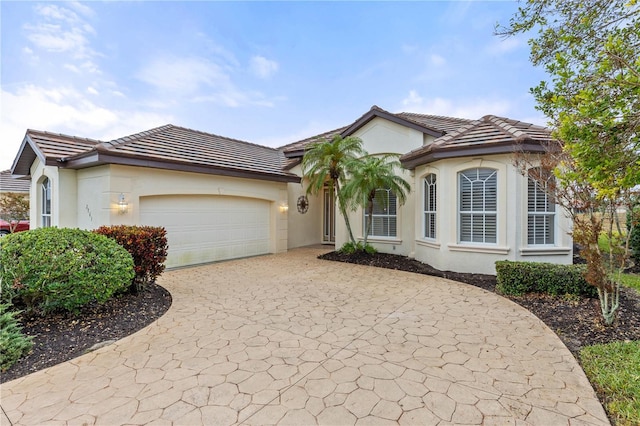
[
  {"x": 123, "y": 206},
  {"x": 284, "y": 207}
]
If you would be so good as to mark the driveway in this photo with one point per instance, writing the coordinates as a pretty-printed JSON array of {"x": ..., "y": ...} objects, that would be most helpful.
[{"x": 290, "y": 339}]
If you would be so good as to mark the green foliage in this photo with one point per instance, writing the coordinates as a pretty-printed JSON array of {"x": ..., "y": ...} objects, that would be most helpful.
[
  {"x": 13, "y": 344},
  {"x": 633, "y": 226},
  {"x": 366, "y": 176},
  {"x": 517, "y": 278},
  {"x": 352, "y": 248},
  {"x": 14, "y": 207},
  {"x": 47, "y": 269},
  {"x": 146, "y": 244},
  {"x": 325, "y": 163},
  {"x": 614, "y": 370}
]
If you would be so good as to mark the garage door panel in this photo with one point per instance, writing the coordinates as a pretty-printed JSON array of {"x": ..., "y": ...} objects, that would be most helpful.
[{"x": 209, "y": 228}]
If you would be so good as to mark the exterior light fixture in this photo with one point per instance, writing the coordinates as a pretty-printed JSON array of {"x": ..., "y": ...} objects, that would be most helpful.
[
  {"x": 123, "y": 206},
  {"x": 284, "y": 207}
]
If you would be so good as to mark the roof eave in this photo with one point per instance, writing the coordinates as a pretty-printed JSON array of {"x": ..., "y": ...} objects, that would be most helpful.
[
  {"x": 22, "y": 166},
  {"x": 102, "y": 156},
  {"x": 445, "y": 152},
  {"x": 374, "y": 112}
]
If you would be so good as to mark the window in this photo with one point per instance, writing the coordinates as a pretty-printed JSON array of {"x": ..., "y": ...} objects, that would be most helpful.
[
  {"x": 478, "y": 205},
  {"x": 541, "y": 209},
  {"x": 430, "y": 206},
  {"x": 45, "y": 213},
  {"x": 384, "y": 219}
]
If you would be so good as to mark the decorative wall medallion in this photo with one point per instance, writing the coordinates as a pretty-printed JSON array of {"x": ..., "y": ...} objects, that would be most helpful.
[{"x": 303, "y": 204}]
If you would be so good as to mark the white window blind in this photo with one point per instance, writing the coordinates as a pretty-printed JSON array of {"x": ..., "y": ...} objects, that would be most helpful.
[
  {"x": 541, "y": 210},
  {"x": 430, "y": 192},
  {"x": 478, "y": 205},
  {"x": 384, "y": 219}
]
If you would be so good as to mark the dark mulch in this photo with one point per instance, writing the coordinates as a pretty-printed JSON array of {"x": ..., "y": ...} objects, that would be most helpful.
[
  {"x": 64, "y": 336},
  {"x": 577, "y": 321}
]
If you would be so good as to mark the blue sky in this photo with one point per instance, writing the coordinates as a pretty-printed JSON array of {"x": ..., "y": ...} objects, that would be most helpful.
[{"x": 266, "y": 72}]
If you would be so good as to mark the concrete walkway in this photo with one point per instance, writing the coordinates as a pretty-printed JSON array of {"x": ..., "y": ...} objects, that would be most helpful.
[{"x": 289, "y": 339}]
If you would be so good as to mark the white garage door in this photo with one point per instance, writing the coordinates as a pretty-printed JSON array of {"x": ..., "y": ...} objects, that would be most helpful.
[{"x": 209, "y": 228}]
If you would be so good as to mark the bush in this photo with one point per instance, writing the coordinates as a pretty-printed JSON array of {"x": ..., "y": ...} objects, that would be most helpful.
[
  {"x": 47, "y": 269},
  {"x": 351, "y": 248},
  {"x": 517, "y": 278},
  {"x": 13, "y": 344},
  {"x": 146, "y": 244}
]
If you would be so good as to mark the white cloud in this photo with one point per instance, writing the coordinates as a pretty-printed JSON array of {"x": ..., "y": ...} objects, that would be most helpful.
[
  {"x": 92, "y": 91},
  {"x": 437, "y": 60},
  {"x": 463, "y": 108},
  {"x": 501, "y": 46},
  {"x": 64, "y": 110},
  {"x": 263, "y": 67}
]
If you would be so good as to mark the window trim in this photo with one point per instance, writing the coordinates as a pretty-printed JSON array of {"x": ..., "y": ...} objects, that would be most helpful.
[
  {"x": 428, "y": 202},
  {"x": 371, "y": 237},
  {"x": 545, "y": 213},
  {"x": 484, "y": 213},
  {"x": 45, "y": 195}
]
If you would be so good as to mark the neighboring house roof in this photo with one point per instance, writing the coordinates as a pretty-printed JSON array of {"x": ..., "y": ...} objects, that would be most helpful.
[
  {"x": 10, "y": 184},
  {"x": 167, "y": 147},
  {"x": 489, "y": 135}
]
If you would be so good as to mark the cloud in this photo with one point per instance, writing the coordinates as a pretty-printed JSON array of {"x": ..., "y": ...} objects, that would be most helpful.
[
  {"x": 64, "y": 110},
  {"x": 263, "y": 67},
  {"x": 437, "y": 60},
  {"x": 463, "y": 108},
  {"x": 501, "y": 46}
]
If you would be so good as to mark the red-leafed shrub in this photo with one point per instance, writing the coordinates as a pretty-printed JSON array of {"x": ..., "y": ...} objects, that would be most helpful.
[{"x": 146, "y": 244}]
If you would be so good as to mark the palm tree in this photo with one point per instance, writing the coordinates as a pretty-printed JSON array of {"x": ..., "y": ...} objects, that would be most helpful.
[
  {"x": 325, "y": 163},
  {"x": 370, "y": 174}
]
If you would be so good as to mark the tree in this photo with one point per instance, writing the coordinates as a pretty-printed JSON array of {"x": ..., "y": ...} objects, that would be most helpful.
[
  {"x": 367, "y": 176},
  {"x": 324, "y": 163},
  {"x": 591, "y": 51},
  {"x": 14, "y": 207}
]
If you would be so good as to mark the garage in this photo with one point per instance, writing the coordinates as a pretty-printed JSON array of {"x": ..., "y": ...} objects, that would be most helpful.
[{"x": 207, "y": 228}]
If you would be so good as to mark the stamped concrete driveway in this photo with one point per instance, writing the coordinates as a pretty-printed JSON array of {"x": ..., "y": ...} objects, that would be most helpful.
[{"x": 290, "y": 339}]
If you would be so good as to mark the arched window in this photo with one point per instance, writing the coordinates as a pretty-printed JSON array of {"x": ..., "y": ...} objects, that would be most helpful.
[
  {"x": 384, "y": 218},
  {"x": 541, "y": 211},
  {"x": 45, "y": 203},
  {"x": 430, "y": 192},
  {"x": 478, "y": 205}
]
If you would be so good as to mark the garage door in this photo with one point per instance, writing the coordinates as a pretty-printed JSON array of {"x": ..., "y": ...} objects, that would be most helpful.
[{"x": 209, "y": 228}]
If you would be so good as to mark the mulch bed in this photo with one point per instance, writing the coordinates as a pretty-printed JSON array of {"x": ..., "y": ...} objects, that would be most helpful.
[
  {"x": 64, "y": 336},
  {"x": 577, "y": 321}
]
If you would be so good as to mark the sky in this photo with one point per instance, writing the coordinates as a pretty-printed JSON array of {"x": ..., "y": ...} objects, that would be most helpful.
[{"x": 270, "y": 73}]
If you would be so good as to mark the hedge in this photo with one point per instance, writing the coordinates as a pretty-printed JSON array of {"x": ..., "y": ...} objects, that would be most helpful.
[
  {"x": 633, "y": 227},
  {"x": 13, "y": 343},
  {"x": 517, "y": 278},
  {"x": 47, "y": 269},
  {"x": 146, "y": 244}
]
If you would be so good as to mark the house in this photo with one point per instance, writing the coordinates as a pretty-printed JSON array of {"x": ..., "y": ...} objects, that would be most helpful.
[{"x": 221, "y": 198}]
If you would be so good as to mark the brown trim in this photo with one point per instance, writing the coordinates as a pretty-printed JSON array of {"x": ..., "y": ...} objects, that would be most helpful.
[
  {"x": 452, "y": 151},
  {"x": 375, "y": 112},
  {"x": 103, "y": 156}
]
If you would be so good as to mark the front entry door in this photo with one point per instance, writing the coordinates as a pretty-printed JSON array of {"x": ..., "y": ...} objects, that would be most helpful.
[{"x": 329, "y": 217}]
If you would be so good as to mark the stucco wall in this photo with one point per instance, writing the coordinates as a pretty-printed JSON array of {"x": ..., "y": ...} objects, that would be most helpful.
[
  {"x": 304, "y": 229},
  {"x": 447, "y": 253},
  {"x": 64, "y": 194}
]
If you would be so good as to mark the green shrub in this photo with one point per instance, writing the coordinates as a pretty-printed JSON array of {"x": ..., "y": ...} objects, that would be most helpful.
[
  {"x": 517, "y": 278},
  {"x": 351, "y": 248},
  {"x": 146, "y": 244},
  {"x": 13, "y": 344},
  {"x": 47, "y": 269}
]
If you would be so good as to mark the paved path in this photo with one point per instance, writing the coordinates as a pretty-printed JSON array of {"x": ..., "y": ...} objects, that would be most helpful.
[{"x": 290, "y": 339}]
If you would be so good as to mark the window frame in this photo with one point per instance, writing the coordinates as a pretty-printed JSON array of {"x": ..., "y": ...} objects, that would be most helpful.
[
  {"x": 549, "y": 212},
  {"x": 45, "y": 203},
  {"x": 387, "y": 207},
  {"x": 430, "y": 207},
  {"x": 474, "y": 213}
]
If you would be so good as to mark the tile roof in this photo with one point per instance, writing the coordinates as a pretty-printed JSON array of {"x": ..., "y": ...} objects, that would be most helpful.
[
  {"x": 57, "y": 145},
  {"x": 489, "y": 135},
  {"x": 181, "y": 145},
  {"x": 301, "y": 144},
  {"x": 438, "y": 122},
  {"x": 9, "y": 184}
]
